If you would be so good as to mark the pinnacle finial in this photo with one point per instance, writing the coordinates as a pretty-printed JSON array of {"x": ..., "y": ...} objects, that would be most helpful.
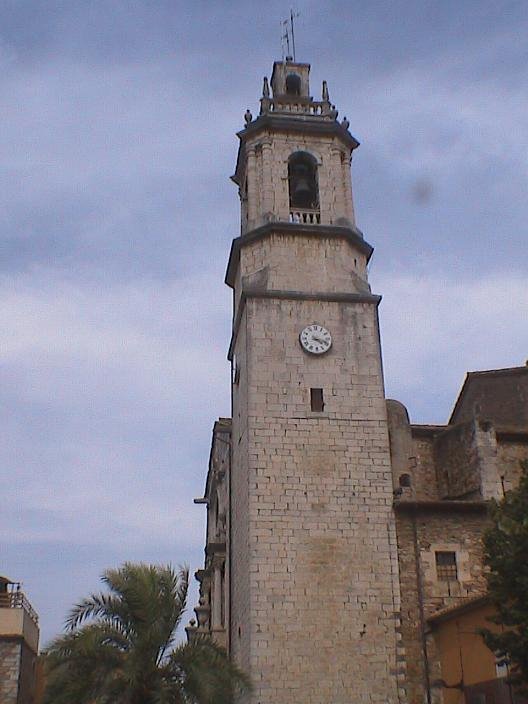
[
  {"x": 326, "y": 95},
  {"x": 265, "y": 88}
]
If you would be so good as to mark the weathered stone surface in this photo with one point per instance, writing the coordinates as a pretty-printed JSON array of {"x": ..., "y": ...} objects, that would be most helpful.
[
  {"x": 337, "y": 520},
  {"x": 315, "y": 596},
  {"x": 497, "y": 395},
  {"x": 10, "y": 656},
  {"x": 312, "y": 518},
  {"x": 420, "y": 535}
]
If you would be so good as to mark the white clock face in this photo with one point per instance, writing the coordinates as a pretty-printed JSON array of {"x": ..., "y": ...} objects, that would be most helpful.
[{"x": 315, "y": 339}]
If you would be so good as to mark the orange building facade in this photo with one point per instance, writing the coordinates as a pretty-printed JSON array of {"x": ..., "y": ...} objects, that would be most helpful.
[{"x": 471, "y": 673}]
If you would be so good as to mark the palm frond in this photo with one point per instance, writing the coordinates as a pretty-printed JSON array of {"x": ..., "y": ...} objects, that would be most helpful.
[
  {"x": 119, "y": 647},
  {"x": 204, "y": 671},
  {"x": 106, "y": 607},
  {"x": 80, "y": 666}
]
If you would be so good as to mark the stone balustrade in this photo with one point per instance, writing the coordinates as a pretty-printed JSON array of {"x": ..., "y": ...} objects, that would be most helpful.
[
  {"x": 305, "y": 216},
  {"x": 302, "y": 106}
]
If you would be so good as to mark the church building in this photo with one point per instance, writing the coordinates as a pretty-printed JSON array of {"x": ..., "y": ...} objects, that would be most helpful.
[{"x": 343, "y": 562}]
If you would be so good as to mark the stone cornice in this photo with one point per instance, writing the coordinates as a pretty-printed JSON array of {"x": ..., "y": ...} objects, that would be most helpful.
[
  {"x": 294, "y": 296},
  {"x": 15, "y": 638},
  {"x": 353, "y": 235},
  {"x": 512, "y": 434},
  {"x": 503, "y": 433},
  {"x": 449, "y": 505},
  {"x": 427, "y": 430},
  {"x": 202, "y": 574},
  {"x": 312, "y": 124},
  {"x": 215, "y": 548},
  {"x": 304, "y": 123}
]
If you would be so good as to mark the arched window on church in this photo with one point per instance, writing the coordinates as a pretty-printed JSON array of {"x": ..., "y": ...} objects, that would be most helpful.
[
  {"x": 304, "y": 191},
  {"x": 293, "y": 84},
  {"x": 405, "y": 480}
]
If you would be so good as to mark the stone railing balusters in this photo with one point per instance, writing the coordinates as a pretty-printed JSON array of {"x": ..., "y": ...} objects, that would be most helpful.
[
  {"x": 305, "y": 217},
  {"x": 302, "y": 107}
]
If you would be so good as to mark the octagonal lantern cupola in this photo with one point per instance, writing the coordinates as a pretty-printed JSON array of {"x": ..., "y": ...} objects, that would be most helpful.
[{"x": 294, "y": 159}]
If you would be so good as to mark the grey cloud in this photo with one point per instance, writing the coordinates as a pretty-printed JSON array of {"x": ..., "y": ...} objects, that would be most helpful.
[
  {"x": 95, "y": 171},
  {"x": 436, "y": 328},
  {"x": 115, "y": 399}
]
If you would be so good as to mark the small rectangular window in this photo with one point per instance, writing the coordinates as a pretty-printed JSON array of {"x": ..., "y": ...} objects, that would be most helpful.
[
  {"x": 316, "y": 400},
  {"x": 446, "y": 566}
]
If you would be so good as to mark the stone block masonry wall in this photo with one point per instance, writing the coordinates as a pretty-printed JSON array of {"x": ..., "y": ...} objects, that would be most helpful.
[
  {"x": 465, "y": 456},
  {"x": 456, "y": 459},
  {"x": 326, "y": 264},
  {"x": 238, "y": 520},
  {"x": 267, "y": 176},
  {"x": 323, "y": 264},
  {"x": 28, "y": 664},
  {"x": 320, "y": 619},
  {"x": 500, "y": 396},
  {"x": 510, "y": 454},
  {"x": 400, "y": 441},
  {"x": 419, "y": 536},
  {"x": 422, "y": 467},
  {"x": 10, "y": 657},
  {"x": 412, "y": 624}
]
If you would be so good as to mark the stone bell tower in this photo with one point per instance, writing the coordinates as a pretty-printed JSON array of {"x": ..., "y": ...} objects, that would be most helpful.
[{"x": 313, "y": 573}]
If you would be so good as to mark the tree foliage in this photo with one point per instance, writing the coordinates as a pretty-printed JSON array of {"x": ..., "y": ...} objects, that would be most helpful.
[
  {"x": 506, "y": 556},
  {"x": 119, "y": 647}
]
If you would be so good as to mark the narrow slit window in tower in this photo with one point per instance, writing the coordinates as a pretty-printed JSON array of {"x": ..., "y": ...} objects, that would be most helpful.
[{"x": 316, "y": 400}]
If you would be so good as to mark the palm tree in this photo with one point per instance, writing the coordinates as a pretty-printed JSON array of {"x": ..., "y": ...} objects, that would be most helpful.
[{"x": 120, "y": 648}]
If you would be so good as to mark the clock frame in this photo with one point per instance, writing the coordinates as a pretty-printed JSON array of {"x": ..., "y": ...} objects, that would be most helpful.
[{"x": 315, "y": 339}]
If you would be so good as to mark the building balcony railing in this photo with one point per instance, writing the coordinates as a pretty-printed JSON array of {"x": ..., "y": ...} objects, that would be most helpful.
[
  {"x": 298, "y": 106},
  {"x": 17, "y": 600},
  {"x": 305, "y": 216}
]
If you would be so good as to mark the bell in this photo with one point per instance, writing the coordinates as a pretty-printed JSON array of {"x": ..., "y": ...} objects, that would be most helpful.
[
  {"x": 302, "y": 193},
  {"x": 303, "y": 190}
]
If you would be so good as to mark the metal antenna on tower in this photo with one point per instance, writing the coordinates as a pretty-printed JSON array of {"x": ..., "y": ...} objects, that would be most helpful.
[
  {"x": 285, "y": 39},
  {"x": 292, "y": 17}
]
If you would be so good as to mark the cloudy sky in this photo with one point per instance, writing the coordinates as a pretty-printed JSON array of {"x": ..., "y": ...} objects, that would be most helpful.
[{"x": 116, "y": 144}]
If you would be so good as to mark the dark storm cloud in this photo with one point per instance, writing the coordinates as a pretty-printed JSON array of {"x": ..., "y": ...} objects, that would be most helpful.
[{"x": 116, "y": 216}]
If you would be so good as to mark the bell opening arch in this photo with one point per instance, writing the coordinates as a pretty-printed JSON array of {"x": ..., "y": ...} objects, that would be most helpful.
[{"x": 302, "y": 181}]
